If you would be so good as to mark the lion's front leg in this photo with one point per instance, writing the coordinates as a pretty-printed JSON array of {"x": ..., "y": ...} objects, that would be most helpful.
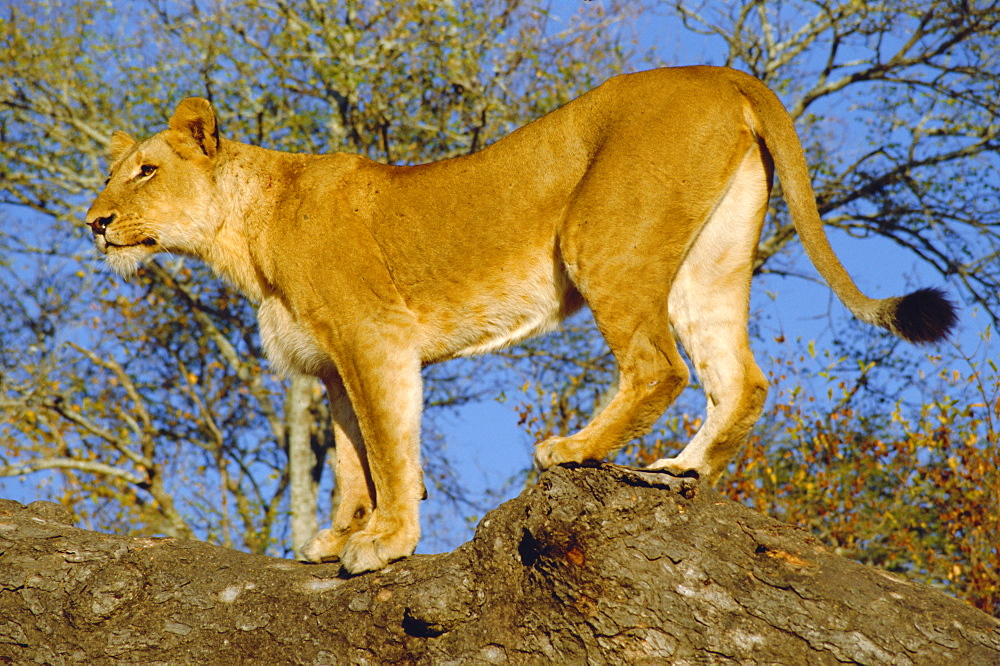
[
  {"x": 384, "y": 386},
  {"x": 354, "y": 493}
]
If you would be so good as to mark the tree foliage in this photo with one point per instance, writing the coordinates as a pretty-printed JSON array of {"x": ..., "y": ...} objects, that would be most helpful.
[{"x": 145, "y": 406}]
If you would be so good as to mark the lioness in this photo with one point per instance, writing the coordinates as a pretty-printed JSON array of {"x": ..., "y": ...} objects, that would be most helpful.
[{"x": 643, "y": 199}]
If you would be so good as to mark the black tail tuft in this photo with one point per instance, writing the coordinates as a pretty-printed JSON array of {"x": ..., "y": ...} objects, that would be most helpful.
[{"x": 926, "y": 315}]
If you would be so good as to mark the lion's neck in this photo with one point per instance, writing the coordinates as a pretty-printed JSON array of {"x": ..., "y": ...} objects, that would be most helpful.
[{"x": 249, "y": 182}]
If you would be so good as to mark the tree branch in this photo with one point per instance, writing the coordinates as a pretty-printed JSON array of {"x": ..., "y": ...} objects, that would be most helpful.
[{"x": 589, "y": 565}]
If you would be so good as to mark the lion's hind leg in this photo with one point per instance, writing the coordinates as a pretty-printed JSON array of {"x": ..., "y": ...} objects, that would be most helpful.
[
  {"x": 709, "y": 308},
  {"x": 651, "y": 375},
  {"x": 623, "y": 269},
  {"x": 714, "y": 334}
]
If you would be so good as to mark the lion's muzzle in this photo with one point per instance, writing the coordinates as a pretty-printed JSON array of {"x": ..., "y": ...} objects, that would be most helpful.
[{"x": 99, "y": 225}]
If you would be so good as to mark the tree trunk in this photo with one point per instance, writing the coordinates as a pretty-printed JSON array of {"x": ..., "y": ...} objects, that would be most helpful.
[
  {"x": 303, "y": 464},
  {"x": 590, "y": 565}
]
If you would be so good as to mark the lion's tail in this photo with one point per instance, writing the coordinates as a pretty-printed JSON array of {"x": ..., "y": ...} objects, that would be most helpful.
[{"x": 926, "y": 315}]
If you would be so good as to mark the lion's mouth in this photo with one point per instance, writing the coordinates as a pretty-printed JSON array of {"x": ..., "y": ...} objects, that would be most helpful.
[{"x": 148, "y": 242}]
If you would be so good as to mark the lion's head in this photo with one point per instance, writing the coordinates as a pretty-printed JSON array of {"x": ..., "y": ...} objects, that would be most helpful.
[{"x": 159, "y": 196}]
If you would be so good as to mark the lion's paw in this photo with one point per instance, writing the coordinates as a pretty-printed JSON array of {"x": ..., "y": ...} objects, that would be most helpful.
[
  {"x": 678, "y": 467},
  {"x": 371, "y": 550},
  {"x": 325, "y": 546},
  {"x": 555, "y": 451}
]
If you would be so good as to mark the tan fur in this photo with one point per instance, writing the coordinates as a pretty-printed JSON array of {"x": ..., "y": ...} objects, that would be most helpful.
[{"x": 643, "y": 198}]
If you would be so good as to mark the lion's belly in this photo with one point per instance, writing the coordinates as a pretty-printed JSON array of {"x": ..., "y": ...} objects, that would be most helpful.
[
  {"x": 497, "y": 314},
  {"x": 457, "y": 319}
]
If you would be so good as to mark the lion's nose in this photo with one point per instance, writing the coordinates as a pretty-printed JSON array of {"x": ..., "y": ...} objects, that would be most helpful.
[{"x": 99, "y": 224}]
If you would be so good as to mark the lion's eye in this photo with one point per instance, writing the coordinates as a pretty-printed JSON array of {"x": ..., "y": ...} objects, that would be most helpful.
[{"x": 147, "y": 170}]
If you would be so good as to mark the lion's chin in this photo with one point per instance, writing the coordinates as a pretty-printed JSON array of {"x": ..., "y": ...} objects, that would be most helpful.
[{"x": 125, "y": 259}]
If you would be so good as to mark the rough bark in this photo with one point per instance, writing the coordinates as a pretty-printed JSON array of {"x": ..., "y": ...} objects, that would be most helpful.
[{"x": 590, "y": 565}]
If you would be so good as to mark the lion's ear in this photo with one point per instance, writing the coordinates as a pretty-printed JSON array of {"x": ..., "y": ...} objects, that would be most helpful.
[
  {"x": 195, "y": 118},
  {"x": 121, "y": 143}
]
